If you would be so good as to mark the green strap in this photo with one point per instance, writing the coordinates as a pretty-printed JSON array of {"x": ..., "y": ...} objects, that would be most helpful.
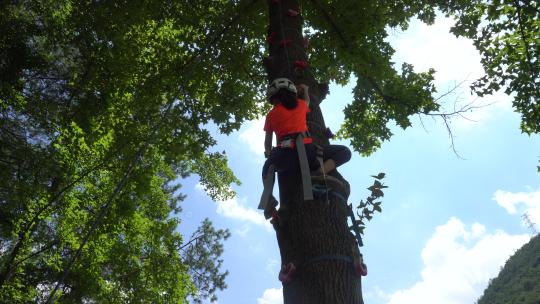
[{"x": 304, "y": 167}]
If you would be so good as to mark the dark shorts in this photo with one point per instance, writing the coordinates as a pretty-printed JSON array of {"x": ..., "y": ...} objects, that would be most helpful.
[{"x": 285, "y": 160}]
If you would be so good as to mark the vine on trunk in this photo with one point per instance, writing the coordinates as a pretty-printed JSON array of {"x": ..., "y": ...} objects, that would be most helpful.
[{"x": 366, "y": 209}]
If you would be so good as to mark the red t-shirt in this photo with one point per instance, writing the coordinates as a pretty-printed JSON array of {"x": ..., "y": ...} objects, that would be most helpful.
[{"x": 283, "y": 121}]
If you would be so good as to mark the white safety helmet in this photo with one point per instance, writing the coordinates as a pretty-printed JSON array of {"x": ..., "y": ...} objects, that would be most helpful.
[{"x": 279, "y": 83}]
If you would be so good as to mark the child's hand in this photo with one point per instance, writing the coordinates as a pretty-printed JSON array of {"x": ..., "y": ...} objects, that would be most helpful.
[{"x": 301, "y": 89}]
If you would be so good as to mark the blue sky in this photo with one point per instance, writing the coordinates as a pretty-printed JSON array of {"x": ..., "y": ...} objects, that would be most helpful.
[{"x": 448, "y": 223}]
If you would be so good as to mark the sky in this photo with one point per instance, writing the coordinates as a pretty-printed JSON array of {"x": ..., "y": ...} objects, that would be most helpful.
[{"x": 449, "y": 220}]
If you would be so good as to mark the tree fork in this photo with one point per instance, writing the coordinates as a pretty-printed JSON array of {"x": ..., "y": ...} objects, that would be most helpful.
[{"x": 314, "y": 235}]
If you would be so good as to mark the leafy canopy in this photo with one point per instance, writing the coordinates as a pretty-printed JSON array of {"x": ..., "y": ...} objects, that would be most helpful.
[{"x": 507, "y": 35}]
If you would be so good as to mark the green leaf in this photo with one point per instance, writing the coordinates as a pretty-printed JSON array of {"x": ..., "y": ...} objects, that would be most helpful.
[{"x": 379, "y": 176}]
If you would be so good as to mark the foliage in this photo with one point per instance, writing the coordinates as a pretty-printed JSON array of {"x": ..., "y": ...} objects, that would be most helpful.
[
  {"x": 344, "y": 45},
  {"x": 519, "y": 279},
  {"x": 507, "y": 35},
  {"x": 371, "y": 205},
  {"x": 102, "y": 107},
  {"x": 201, "y": 254}
]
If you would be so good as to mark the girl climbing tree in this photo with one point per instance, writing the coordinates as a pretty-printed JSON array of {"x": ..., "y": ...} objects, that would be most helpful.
[{"x": 318, "y": 251}]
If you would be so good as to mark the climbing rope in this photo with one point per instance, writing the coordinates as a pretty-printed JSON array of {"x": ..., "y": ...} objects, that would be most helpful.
[
  {"x": 283, "y": 41},
  {"x": 319, "y": 190}
]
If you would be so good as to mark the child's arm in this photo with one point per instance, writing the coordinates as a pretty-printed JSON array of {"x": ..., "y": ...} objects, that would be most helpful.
[
  {"x": 268, "y": 143},
  {"x": 303, "y": 92}
]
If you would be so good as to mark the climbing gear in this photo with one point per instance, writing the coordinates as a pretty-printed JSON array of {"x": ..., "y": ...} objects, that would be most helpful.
[
  {"x": 280, "y": 83},
  {"x": 360, "y": 268},
  {"x": 287, "y": 142},
  {"x": 333, "y": 184},
  {"x": 304, "y": 167},
  {"x": 270, "y": 208},
  {"x": 292, "y": 13},
  {"x": 287, "y": 272},
  {"x": 291, "y": 141},
  {"x": 270, "y": 38},
  {"x": 301, "y": 64}
]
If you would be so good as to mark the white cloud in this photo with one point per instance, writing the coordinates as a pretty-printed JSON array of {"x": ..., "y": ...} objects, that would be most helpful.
[
  {"x": 520, "y": 202},
  {"x": 253, "y": 135},
  {"x": 242, "y": 232},
  {"x": 375, "y": 293},
  {"x": 271, "y": 296},
  {"x": 433, "y": 46},
  {"x": 234, "y": 209},
  {"x": 458, "y": 262},
  {"x": 273, "y": 266},
  {"x": 455, "y": 60}
]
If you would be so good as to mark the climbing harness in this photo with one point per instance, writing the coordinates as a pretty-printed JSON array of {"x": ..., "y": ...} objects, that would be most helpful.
[
  {"x": 287, "y": 272},
  {"x": 304, "y": 167},
  {"x": 291, "y": 141}
]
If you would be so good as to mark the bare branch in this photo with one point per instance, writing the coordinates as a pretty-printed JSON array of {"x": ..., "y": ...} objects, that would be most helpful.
[
  {"x": 457, "y": 111},
  {"x": 191, "y": 241},
  {"x": 452, "y": 90},
  {"x": 43, "y": 249},
  {"x": 331, "y": 22}
]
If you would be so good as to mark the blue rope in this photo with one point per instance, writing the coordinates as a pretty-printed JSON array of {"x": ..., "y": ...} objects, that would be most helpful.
[
  {"x": 329, "y": 257},
  {"x": 322, "y": 190}
]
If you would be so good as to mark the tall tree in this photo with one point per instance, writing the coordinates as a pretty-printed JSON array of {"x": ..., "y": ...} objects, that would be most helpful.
[
  {"x": 314, "y": 235},
  {"x": 99, "y": 115}
]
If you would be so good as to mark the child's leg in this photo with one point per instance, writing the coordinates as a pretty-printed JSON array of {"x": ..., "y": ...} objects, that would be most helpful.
[
  {"x": 267, "y": 201},
  {"x": 335, "y": 156}
]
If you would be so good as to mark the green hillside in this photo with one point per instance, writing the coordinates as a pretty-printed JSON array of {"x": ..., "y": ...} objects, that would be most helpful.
[{"x": 519, "y": 280}]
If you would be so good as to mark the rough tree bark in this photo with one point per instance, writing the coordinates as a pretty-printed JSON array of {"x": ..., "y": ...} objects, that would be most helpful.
[{"x": 314, "y": 235}]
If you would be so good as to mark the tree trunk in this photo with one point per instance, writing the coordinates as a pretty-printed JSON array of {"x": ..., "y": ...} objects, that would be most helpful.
[{"x": 313, "y": 235}]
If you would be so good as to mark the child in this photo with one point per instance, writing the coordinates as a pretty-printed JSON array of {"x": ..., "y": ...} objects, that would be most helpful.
[{"x": 288, "y": 121}]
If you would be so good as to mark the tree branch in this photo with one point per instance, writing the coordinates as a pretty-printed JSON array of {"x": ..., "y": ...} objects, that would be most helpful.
[
  {"x": 447, "y": 116},
  {"x": 331, "y": 22},
  {"x": 191, "y": 241}
]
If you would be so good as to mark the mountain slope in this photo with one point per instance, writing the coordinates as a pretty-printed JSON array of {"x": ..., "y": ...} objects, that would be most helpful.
[{"x": 519, "y": 280}]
